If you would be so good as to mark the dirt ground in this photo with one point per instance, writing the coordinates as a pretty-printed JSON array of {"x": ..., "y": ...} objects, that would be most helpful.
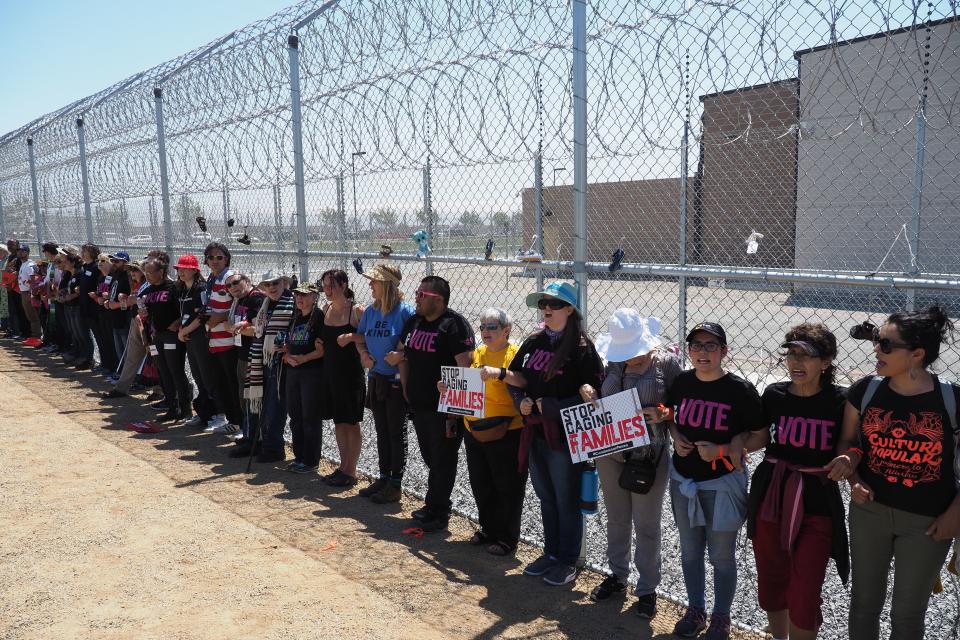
[{"x": 111, "y": 534}]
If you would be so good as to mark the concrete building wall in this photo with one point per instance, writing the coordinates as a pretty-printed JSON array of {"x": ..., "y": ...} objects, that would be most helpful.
[{"x": 858, "y": 147}]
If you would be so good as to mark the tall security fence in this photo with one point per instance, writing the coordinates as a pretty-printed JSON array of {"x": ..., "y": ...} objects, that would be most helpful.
[{"x": 753, "y": 163}]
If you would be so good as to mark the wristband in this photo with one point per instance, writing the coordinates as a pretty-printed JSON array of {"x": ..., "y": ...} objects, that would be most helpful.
[
  {"x": 503, "y": 374},
  {"x": 668, "y": 410},
  {"x": 856, "y": 450}
]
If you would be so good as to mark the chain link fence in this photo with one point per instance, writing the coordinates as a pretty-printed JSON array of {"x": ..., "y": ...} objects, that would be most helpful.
[{"x": 758, "y": 164}]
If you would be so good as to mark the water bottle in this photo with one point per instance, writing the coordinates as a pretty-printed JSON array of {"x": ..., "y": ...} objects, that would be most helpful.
[{"x": 589, "y": 489}]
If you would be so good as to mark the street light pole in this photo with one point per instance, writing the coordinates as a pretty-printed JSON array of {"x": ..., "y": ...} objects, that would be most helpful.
[{"x": 353, "y": 182}]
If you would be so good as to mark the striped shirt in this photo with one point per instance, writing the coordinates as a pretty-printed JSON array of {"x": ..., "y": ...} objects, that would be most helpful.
[{"x": 219, "y": 303}]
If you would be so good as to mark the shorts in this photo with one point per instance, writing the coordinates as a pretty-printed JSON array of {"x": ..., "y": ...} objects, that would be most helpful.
[{"x": 793, "y": 581}]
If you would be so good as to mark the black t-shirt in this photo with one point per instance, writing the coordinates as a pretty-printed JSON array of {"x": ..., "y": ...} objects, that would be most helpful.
[
  {"x": 190, "y": 303},
  {"x": 803, "y": 431},
  {"x": 429, "y": 345},
  {"x": 715, "y": 412},
  {"x": 163, "y": 304},
  {"x": 302, "y": 338},
  {"x": 119, "y": 284},
  {"x": 908, "y": 448},
  {"x": 582, "y": 367},
  {"x": 88, "y": 277},
  {"x": 68, "y": 285},
  {"x": 247, "y": 309}
]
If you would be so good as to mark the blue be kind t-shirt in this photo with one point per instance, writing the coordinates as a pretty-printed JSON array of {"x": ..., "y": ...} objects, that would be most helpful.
[{"x": 382, "y": 333}]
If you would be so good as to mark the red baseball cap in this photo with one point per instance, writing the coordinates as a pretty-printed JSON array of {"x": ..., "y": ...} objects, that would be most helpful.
[{"x": 188, "y": 261}]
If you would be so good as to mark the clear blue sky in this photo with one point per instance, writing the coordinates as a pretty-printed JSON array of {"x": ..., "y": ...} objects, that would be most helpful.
[{"x": 53, "y": 52}]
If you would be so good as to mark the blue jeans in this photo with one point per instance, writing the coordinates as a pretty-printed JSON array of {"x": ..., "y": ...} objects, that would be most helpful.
[
  {"x": 694, "y": 541},
  {"x": 556, "y": 481},
  {"x": 273, "y": 414}
]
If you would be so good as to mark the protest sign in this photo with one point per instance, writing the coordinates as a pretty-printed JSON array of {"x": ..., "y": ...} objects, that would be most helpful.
[
  {"x": 464, "y": 395},
  {"x": 614, "y": 424}
]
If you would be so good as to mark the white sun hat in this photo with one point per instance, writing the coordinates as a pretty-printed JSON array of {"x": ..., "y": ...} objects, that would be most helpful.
[{"x": 629, "y": 335}]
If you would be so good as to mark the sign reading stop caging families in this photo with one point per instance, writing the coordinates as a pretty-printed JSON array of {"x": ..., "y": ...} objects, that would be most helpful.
[
  {"x": 464, "y": 394},
  {"x": 614, "y": 424}
]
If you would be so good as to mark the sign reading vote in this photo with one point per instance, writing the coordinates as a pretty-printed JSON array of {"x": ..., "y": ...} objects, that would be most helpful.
[
  {"x": 464, "y": 394},
  {"x": 613, "y": 424}
]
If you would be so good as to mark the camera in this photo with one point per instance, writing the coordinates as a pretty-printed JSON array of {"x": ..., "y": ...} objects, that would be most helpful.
[{"x": 866, "y": 330}]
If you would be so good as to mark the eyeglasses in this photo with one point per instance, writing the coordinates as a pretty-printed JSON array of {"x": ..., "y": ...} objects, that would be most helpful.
[
  {"x": 217, "y": 258},
  {"x": 234, "y": 282},
  {"x": 709, "y": 347},
  {"x": 420, "y": 293},
  {"x": 887, "y": 345},
  {"x": 114, "y": 261},
  {"x": 493, "y": 326},
  {"x": 551, "y": 303}
]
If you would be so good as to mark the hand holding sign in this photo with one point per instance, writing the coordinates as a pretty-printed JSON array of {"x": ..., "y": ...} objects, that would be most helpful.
[
  {"x": 461, "y": 392},
  {"x": 600, "y": 427}
]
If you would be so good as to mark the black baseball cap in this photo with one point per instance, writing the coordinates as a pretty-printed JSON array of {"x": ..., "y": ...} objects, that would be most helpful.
[{"x": 712, "y": 328}]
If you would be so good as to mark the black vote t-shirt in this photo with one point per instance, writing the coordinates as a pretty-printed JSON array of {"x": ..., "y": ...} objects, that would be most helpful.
[
  {"x": 533, "y": 357},
  {"x": 247, "y": 309},
  {"x": 69, "y": 284},
  {"x": 714, "y": 412},
  {"x": 163, "y": 304},
  {"x": 804, "y": 431},
  {"x": 119, "y": 284},
  {"x": 88, "y": 278},
  {"x": 429, "y": 345},
  {"x": 908, "y": 448},
  {"x": 303, "y": 336},
  {"x": 191, "y": 303}
]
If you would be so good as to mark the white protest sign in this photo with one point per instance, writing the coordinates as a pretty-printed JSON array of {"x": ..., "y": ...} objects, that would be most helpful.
[
  {"x": 615, "y": 424},
  {"x": 464, "y": 395}
]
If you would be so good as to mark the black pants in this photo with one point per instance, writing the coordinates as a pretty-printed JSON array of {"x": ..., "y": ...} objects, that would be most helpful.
[
  {"x": 305, "y": 409},
  {"x": 199, "y": 358},
  {"x": 498, "y": 487},
  {"x": 440, "y": 453},
  {"x": 172, "y": 362},
  {"x": 18, "y": 320},
  {"x": 223, "y": 386},
  {"x": 386, "y": 403},
  {"x": 103, "y": 334},
  {"x": 84, "y": 324}
]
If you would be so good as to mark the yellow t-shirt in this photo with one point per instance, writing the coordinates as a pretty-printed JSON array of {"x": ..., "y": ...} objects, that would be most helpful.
[{"x": 496, "y": 396}]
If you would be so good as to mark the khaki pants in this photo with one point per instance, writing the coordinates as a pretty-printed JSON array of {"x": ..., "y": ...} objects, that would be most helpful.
[{"x": 31, "y": 313}]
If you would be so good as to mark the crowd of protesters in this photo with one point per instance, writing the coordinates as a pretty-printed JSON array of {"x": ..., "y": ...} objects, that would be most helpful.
[{"x": 261, "y": 350}]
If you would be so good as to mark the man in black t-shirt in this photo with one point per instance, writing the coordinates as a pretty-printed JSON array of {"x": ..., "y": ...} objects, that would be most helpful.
[{"x": 435, "y": 337}]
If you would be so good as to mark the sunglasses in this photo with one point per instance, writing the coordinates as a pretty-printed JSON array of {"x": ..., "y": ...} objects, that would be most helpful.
[
  {"x": 798, "y": 357},
  {"x": 493, "y": 326},
  {"x": 420, "y": 293},
  {"x": 887, "y": 345},
  {"x": 234, "y": 282},
  {"x": 114, "y": 261},
  {"x": 551, "y": 303},
  {"x": 709, "y": 347},
  {"x": 217, "y": 258}
]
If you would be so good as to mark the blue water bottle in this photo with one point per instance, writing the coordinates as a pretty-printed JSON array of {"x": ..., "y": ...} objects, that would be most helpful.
[{"x": 589, "y": 489}]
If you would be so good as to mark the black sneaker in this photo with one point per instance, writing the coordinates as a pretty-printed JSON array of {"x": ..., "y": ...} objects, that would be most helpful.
[
  {"x": 242, "y": 451},
  {"x": 160, "y": 406},
  {"x": 436, "y": 523},
  {"x": 609, "y": 586},
  {"x": 373, "y": 488},
  {"x": 421, "y": 514},
  {"x": 646, "y": 606},
  {"x": 114, "y": 393},
  {"x": 171, "y": 416}
]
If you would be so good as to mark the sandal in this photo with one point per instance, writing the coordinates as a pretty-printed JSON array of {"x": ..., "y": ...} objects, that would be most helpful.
[
  {"x": 341, "y": 480},
  {"x": 479, "y": 538},
  {"x": 499, "y": 549}
]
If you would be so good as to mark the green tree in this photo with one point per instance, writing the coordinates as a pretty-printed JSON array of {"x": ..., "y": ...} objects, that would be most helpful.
[
  {"x": 501, "y": 221},
  {"x": 422, "y": 217},
  {"x": 384, "y": 219}
]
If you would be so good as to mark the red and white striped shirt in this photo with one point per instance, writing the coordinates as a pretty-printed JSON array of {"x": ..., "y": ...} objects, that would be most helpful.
[{"x": 219, "y": 303}]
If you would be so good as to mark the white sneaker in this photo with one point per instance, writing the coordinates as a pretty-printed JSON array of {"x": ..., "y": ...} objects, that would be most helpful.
[
  {"x": 217, "y": 420},
  {"x": 227, "y": 429},
  {"x": 193, "y": 422}
]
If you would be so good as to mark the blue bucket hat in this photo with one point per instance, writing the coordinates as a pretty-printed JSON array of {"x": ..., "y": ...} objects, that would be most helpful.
[{"x": 560, "y": 290}]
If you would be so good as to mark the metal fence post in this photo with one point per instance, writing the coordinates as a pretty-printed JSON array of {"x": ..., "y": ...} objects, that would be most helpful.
[
  {"x": 682, "y": 280},
  {"x": 428, "y": 212},
  {"x": 278, "y": 234},
  {"x": 85, "y": 179},
  {"x": 580, "y": 151},
  {"x": 341, "y": 221},
  {"x": 225, "y": 202},
  {"x": 33, "y": 187},
  {"x": 3, "y": 222},
  {"x": 293, "y": 43},
  {"x": 164, "y": 179},
  {"x": 538, "y": 208},
  {"x": 916, "y": 203}
]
